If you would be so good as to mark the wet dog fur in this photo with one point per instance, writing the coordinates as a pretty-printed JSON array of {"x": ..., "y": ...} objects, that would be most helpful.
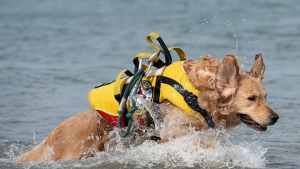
[{"x": 230, "y": 96}]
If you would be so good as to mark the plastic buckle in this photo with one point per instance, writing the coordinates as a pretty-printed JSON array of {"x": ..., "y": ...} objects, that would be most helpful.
[{"x": 191, "y": 100}]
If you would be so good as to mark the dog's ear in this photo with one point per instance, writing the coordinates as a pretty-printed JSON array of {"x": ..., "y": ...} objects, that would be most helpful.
[
  {"x": 227, "y": 74},
  {"x": 258, "y": 69}
]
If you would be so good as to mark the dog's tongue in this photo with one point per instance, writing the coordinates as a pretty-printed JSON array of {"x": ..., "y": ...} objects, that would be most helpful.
[{"x": 250, "y": 123}]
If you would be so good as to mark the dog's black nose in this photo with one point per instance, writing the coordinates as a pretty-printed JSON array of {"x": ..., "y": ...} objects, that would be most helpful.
[{"x": 274, "y": 117}]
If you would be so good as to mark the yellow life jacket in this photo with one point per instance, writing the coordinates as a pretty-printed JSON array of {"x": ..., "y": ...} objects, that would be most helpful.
[{"x": 167, "y": 83}]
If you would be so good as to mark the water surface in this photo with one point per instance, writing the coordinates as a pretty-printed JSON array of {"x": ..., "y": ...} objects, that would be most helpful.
[{"x": 52, "y": 53}]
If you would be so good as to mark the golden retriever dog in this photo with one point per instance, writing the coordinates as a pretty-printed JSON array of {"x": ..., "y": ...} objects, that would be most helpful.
[{"x": 231, "y": 97}]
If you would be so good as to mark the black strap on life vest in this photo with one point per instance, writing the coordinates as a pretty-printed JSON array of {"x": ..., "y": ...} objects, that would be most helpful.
[
  {"x": 165, "y": 51},
  {"x": 190, "y": 98}
]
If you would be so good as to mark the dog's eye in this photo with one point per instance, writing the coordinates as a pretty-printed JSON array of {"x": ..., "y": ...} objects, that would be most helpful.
[{"x": 252, "y": 98}]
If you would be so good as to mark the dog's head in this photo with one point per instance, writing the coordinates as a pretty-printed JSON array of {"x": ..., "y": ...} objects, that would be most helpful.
[{"x": 244, "y": 93}]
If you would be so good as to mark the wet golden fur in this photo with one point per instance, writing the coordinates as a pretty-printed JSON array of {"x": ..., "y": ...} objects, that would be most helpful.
[{"x": 225, "y": 92}]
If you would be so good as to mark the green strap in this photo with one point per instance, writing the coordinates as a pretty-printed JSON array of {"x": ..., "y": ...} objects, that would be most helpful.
[{"x": 131, "y": 89}]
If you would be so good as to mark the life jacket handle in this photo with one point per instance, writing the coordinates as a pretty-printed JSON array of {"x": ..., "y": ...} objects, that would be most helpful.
[
  {"x": 155, "y": 58},
  {"x": 179, "y": 51},
  {"x": 163, "y": 49},
  {"x": 118, "y": 85}
]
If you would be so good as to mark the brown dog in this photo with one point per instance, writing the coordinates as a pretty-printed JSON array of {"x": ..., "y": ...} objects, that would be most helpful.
[{"x": 229, "y": 96}]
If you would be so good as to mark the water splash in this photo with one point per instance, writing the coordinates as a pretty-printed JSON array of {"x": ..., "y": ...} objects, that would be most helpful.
[
  {"x": 185, "y": 152},
  {"x": 177, "y": 153}
]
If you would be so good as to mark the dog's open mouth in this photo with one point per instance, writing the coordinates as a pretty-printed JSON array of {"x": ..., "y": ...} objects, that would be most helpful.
[{"x": 249, "y": 122}]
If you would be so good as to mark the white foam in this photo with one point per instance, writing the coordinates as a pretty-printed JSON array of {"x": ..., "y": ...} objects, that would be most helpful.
[{"x": 185, "y": 152}]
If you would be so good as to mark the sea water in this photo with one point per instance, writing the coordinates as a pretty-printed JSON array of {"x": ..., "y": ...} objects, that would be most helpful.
[{"x": 53, "y": 53}]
